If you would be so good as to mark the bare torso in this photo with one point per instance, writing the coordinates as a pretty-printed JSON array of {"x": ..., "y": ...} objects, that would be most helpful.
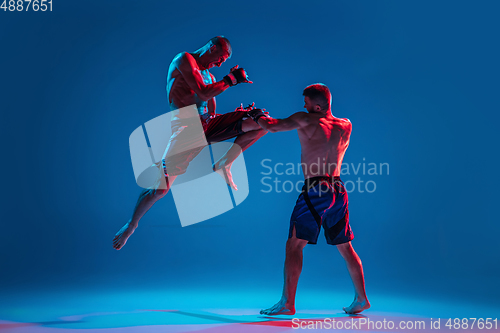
[
  {"x": 179, "y": 93},
  {"x": 324, "y": 142}
]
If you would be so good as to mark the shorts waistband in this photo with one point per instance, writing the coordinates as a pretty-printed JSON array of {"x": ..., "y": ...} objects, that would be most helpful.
[
  {"x": 313, "y": 181},
  {"x": 187, "y": 121}
]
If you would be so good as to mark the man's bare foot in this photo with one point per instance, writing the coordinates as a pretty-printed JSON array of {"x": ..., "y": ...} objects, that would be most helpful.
[
  {"x": 357, "y": 306},
  {"x": 123, "y": 234},
  {"x": 280, "y": 308},
  {"x": 225, "y": 173}
]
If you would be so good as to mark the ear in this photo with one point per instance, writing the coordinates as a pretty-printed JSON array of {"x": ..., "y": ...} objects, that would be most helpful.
[
  {"x": 213, "y": 48},
  {"x": 317, "y": 108}
]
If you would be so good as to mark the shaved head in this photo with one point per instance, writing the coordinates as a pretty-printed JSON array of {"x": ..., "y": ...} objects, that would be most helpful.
[{"x": 221, "y": 42}]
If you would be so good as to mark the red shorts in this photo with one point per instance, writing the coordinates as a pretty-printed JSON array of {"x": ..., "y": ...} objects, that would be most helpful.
[
  {"x": 216, "y": 128},
  {"x": 223, "y": 126}
]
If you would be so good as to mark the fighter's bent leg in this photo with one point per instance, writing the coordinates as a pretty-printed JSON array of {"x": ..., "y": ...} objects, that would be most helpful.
[
  {"x": 146, "y": 200},
  {"x": 249, "y": 125},
  {"x": 355, "y": 268},
  {"x": 252, "y": 133},
  {"x": 293, "y": 268}
]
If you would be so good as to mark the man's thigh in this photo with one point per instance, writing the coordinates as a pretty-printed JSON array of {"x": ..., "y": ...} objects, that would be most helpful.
[
  {"x": 250, "y": 125},
  {"x": 294, "y": 242},
  {"x": 225, "y": 126}
]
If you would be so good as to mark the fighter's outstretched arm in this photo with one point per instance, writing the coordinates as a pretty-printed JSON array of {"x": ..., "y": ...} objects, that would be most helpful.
[
  {"x": 191, "y": 73},
  {"x": 296, "y": 120}
]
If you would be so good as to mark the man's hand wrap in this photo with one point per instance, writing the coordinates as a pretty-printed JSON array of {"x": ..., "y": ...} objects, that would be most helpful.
[
  {"x": 256, "y": 114},
  {"x": 235, "y": 77}
]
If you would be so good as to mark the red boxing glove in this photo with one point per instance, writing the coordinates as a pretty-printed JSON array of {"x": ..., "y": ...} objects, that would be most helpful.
[{"x": 237, "y": 76}]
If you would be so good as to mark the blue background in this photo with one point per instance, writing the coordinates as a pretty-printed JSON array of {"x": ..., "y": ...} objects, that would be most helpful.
[{"x": 418, "y": 80}]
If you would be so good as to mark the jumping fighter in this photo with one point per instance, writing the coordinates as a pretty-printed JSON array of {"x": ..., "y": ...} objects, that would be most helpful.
[
  {"x": 324, "y": 139},
  {"x": 189, "y": 82}
]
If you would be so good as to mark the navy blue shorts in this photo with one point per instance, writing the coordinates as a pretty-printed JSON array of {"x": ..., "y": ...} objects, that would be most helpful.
[{"x": 323, "y": 201}]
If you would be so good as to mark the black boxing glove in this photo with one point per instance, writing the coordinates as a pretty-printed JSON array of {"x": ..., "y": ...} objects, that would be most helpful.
[
  {"x": 256, "y": 114},
  {"x": 235, "y": 77}
]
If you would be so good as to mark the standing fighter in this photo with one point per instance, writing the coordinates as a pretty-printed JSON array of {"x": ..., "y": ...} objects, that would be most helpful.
[
  {"x": 189, "y": 82},
  {"x": 324, "y": 139}
]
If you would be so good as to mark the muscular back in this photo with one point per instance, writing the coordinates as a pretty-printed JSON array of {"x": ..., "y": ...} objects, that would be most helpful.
[{"x": 324, "y": 141}]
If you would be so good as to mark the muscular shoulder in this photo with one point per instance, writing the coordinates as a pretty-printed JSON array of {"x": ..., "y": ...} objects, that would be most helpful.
[
  {"x": 346, "y": 127},
  {"x": 302, "y": 118},
  {"x": 348, "y": 124},
  {"x": 343, "y": 123},
  {"x": 185, "y": 60}
]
